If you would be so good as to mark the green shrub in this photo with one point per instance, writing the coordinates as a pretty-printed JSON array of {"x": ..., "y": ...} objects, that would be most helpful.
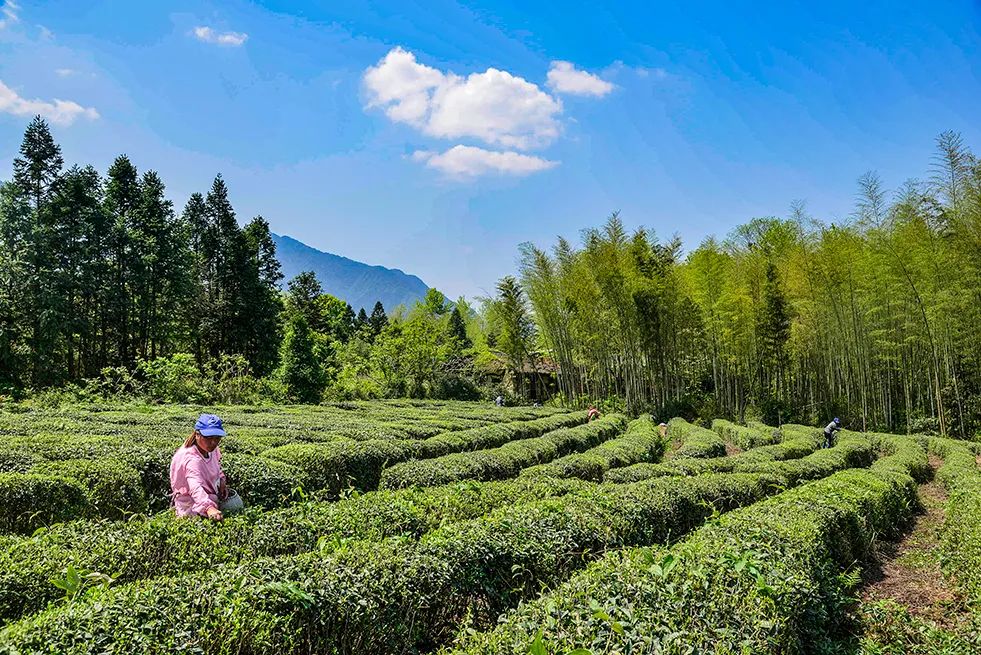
[
  {"x": 165, "y": 545},
  {"x": 173, "y": 379},
  {"x": 745, "y": 437},
  {"x": 505, "y": 461},
  {"x": 396, "y": 596},
  {"x": 492, "y": 436},
  {"x": 694, "y": 441},
  {"x": 29, "y": 501},
  {"x": 390, "y": 596},
  {"x": 335, "y": 466},
  {"x": 640, "y": 443},
  {"x": 114, "y": 489},
  {"x": 961, "y": 532},
  {"x": 260, "y": 481},
  {"x": 764, "y": 579},
  {"x": 793, "y": 448},
  {"x": 17, "y": 460}
]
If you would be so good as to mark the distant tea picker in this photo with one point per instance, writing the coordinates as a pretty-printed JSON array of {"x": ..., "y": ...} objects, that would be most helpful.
[{"x": 198, "y": 485}]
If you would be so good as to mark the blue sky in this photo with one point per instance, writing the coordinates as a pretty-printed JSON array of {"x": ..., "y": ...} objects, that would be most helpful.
[{"x": 435, "y": 137}]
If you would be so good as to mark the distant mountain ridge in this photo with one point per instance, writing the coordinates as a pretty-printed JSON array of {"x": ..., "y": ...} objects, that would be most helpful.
[{"x": 359, "y": 284}]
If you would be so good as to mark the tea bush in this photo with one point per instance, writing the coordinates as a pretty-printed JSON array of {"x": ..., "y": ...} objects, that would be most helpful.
[
  {"x": 640, "y": 443},
  {"x": 767, "y": 578},
  {"x": 505, "y": 461},
  {"x": 694, "y": 441}
]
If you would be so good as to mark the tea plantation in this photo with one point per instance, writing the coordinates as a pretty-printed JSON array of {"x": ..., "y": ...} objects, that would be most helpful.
[{"x": 447, "y": 527}]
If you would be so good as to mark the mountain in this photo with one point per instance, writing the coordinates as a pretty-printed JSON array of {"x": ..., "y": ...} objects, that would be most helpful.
[{"x": 359, "y": 284}]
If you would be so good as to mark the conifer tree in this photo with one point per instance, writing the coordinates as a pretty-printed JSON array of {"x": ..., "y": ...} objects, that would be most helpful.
[
  {"x": 301, "y": 372},
  {"x": 263, "y": 329},
  {"x": 457, "y": 330},
  {"x": 303, "y": 292},
  {"x": 37, "y": 174},
  {"x": 122, "y": 200},
  {"x": 378, "y": 319}
]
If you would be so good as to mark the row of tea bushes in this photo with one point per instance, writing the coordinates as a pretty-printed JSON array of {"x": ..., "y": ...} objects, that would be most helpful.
[
  {"x": 505, "y": 461},
  {"x": 165, "y": 545},
  {"x": 334, "y": 467},
  {"x": 91, "y": 476},
  {"x": 694, "y": 440},
  {"x": 63, "y": 490},
  {"x": 393, "y": 595},
  {"x": 642, "y": 442},
  {"x": 764, "y": 579},
  {"x": 794, "y": 446},
  {"x": 745, "y": 437},
  {"x": 961, "y": 531}
]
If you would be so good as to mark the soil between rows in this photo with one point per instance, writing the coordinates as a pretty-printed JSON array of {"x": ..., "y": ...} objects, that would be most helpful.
[{"x": 908, "y": 571}]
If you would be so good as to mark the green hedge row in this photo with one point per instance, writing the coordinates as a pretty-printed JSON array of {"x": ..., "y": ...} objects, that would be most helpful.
[
  {"x": 505, "y": 461},
  {"x": 764, "y": 579},
  {"x": 113, "y": 487},
  {"x": 693, "y": 440},
  {"x": 336, "y": 466},
  {"x": 640, "y": 443},
  {"x": 388, "y": 596},
  {"x": 29, "y": 501},
  {"x": 961, "y": 531},
  {"x": 164, "y": 545},
  {"x": 745, "y": 437},
  {"x": 794, "y": 447},
  {"x": 116, "y": 488}
]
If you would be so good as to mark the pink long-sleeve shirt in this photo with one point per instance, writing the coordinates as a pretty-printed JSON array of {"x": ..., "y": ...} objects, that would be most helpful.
[{"x": 194, "y": 481}]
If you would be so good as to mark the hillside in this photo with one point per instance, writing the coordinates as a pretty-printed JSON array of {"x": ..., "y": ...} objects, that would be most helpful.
[{"x": 355, "y": 282}]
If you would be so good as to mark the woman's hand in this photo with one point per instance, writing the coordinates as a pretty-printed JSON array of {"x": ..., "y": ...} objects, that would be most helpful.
[{"x": 214, "y": 514}]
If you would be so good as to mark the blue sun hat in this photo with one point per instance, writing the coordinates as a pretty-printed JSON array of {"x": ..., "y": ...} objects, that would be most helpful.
[{"x": 209, "y": 425}]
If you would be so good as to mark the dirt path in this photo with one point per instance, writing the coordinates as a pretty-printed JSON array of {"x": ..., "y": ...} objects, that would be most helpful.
[
  {"x": 732, "y": 449},
  {"x": 908, "y": 571}
]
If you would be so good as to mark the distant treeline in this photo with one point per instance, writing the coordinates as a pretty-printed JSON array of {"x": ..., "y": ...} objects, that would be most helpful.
[
  {"x": 877, "y": 320},
  {"x": 106, "y": 290},
  {"x": 101, "y": 272}
]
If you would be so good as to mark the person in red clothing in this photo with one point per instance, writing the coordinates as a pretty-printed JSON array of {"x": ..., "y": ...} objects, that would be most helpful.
[{"x": 593, "y": 413}]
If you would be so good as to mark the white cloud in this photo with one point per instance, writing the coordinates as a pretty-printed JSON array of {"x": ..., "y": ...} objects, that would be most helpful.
[
  {"x": 9, "y": 13},
  {"x": 65, "y": 72},
  {"x": 45, "y": 34},
  {"x": 468, "y": 162},
  {"x": 495, "y": 106},
  {"x": 208, "y": 35},
  {"x": 564, "y": 77},
  {"x": 59, "y": 112}
]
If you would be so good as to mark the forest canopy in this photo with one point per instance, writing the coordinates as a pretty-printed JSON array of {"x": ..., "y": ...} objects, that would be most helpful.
[{"x": 106, "y": 288}]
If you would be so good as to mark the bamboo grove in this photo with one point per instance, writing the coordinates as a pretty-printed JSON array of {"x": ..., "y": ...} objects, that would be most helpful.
[{"x": 876, "y": 319}]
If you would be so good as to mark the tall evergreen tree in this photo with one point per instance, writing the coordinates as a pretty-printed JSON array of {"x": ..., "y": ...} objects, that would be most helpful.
[
  {"x": 81, "y": 238},
  {"x": 202, "y": 241},
  {"x": 122, "y": 200},
  {"x": 457, "y": 330},
  {"x": 37, "y": 174},
  {"x": 15, "y": 217},
  {"x": 378, "y": 319},
  {"x": 516, "y": 330},
  {"x": 226, "y": 327},
  {"x": 263, "y": 334},
  {"x": 303, "y": 292},
  {"x": 300, "y": 370}
]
